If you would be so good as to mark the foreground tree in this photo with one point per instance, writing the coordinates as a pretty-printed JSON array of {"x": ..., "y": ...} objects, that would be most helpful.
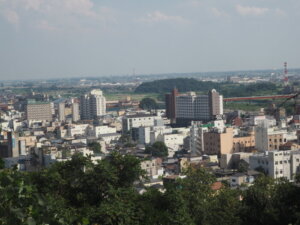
[{"x": 95, "y": 147}]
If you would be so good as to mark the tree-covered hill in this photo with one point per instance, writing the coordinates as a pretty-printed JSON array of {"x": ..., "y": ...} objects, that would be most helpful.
[
  {"x": 182, "y": 84},
  {"x": 225, "y": 88}
]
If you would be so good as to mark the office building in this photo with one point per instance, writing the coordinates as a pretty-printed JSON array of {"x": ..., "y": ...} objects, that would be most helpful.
[
  {"x": 92, "y": 105},
  {"x": 184, "y": 108},
  {"x": 38, "y": 111}
]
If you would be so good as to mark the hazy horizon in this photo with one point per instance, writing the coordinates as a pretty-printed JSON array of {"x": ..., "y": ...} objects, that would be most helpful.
[{"x": 86, "y": 38}]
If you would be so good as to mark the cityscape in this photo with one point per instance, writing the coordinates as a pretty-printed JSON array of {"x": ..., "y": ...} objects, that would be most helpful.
[{"x": 91, "y": 135}]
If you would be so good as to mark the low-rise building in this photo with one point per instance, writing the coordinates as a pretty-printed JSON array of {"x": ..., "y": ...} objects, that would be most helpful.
[{"x": 277, "y": 163}]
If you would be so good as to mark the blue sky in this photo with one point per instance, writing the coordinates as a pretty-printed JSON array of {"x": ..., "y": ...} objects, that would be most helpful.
[{"x": 71, "y": 38}]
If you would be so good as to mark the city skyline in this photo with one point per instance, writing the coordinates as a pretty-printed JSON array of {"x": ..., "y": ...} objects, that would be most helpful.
[{"x": 84, "y": 38}]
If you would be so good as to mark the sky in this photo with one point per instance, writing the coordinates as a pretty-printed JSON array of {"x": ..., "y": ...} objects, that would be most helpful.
[{"x": 44, "y": 39}]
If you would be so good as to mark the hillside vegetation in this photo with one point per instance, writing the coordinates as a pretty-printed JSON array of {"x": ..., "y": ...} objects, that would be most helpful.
[{"x": 190, "y": 84}]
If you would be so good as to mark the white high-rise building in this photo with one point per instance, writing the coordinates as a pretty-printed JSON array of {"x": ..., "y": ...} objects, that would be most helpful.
[
  {"x": 92, "y": 105},
  {"x": 196, "y": 138},
  {"x": 75, "y": 112},
  {"x": 61, "y": 111}
]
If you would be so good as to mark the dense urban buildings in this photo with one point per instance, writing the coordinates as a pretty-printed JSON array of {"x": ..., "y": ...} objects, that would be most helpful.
[{"x": 236, "y": 147}]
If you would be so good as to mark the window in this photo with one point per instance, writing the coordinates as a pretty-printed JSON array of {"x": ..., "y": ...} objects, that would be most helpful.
[
  {"x": 280, "y": 162},
  {"x": 276, "y": 163}
]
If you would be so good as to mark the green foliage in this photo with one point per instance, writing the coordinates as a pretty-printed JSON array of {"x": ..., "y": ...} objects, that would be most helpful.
[
  {"x": 95, "y": 147},
  {"x": 126, "y": 141},
  {"x": 158, "y": 149},
  {"x": 148, "y": 104},
  {"x": 80, "y": 192},
  {"x": 2, "y": 164}
]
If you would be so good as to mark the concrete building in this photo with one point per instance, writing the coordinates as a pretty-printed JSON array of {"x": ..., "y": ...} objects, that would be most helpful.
[
  {"x": 183, "y": 108},
  {"x": 196, "y": 138},
  {"x": 92, "y": 105},
  {"x": 100, "y": 130},
  {"x": 136, "y": 121},
  {"x": 215, "y": 103},
  {"x": 38, "y": 111},
  {"x": 277, "y": 163},
  {"x": 61, "y": 111},
  {"x": 174, "y": 142},
  {"x": 144, "y": 135},
  {"x": 153, "y": 167},
  {"x": 75, "y": 112},
  {"x": 231, "y": 161},
  {"x": 271, "y": 138},
  {"x": 192, "y": 107},
  {"x": 217, "y": 143},
  {"x": 226, "y": 141}
]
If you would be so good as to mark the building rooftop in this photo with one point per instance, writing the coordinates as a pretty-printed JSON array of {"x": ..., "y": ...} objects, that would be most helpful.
[{"x": 34, "y": 102}]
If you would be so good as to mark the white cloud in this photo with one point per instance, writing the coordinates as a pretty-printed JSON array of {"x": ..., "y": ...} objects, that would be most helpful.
[
  {"x": 252, "y": 11},
  {"x": 44, "y": 25},
  {"x": 194, "y": 3},
  {"x": 11, "y": 16},
  {"x": 31, "y": 4},
  {"x": 157, "y": 17},
  {"x": 65, "y": 14},
  {"x": 279, "y": 12},
  {"x": 218, "y": 13}
]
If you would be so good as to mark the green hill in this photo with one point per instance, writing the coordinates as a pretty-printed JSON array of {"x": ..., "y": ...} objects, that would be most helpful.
[{"x": 182, "y": 84}]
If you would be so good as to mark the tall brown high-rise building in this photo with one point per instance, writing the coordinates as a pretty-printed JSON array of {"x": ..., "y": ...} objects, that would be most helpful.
[{"x": 171, "y": 105}]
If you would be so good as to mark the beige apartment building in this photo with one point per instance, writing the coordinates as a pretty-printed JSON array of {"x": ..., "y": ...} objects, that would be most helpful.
[
  {"x": 218, "y": 143},
  {"x": 38, "y": 111}
]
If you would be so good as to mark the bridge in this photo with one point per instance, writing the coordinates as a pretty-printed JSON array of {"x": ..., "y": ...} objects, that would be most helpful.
[{"x": 259, "y": 97}]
